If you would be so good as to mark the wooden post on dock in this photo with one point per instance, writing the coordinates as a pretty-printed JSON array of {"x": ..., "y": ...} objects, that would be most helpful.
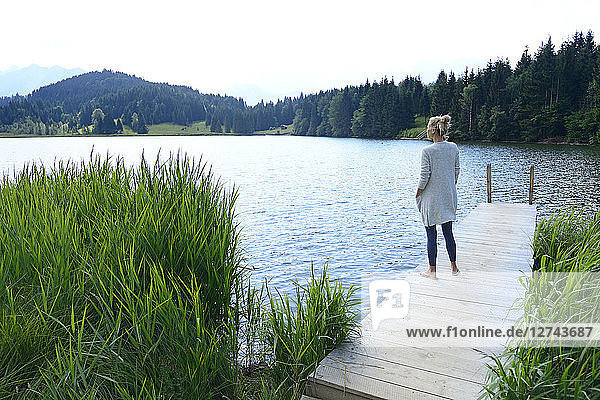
[
  {"x": 531, "y": 185},
  {"x": 489, "y": 182}
]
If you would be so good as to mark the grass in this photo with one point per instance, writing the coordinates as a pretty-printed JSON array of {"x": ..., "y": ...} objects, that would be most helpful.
[
  {"x": 286, "y": 130},
  {"x": 170, "y": 129},
  {"x": 421, "y": 125},
  {"x": 568, "y": 241},
  {"x": 127, "y": 282},
  {"x": 200, "y": 128}
]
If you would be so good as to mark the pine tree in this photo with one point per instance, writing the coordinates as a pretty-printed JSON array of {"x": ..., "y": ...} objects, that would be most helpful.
[
  {"x": 340, "y": 114},
  {"x": 142, "y": 127},
  {"x": 108, "y": 125},
  {"x": 119, "y": 126},
  {"x": 97, "y": 121},
  {"x": 440, "y": 98}
]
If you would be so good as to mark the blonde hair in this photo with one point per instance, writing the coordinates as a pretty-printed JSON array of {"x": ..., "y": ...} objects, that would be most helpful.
[{"x": 440, "y": 124}]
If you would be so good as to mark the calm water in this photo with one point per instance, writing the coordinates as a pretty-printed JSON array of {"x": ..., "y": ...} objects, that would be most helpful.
[{"x": 346, "y": 201}]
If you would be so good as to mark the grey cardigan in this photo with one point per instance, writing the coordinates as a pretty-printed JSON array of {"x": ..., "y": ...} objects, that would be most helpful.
[{"x": 439, "y": 173}]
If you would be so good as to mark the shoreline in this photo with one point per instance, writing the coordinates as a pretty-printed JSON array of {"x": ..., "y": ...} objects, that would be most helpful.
[
  {"x": 114, "y": 135},
  {"x": 550, "y": 142},
  {"x": 266, "y": 133}
]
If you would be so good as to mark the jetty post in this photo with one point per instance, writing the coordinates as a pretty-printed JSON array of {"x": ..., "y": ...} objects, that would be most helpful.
[
  {"x": 531, "y": 185},
  {"x": 489, "y": 183}
]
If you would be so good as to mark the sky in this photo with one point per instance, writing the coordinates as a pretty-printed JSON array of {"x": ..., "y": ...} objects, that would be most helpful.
[{"x": 279, "y": 46}]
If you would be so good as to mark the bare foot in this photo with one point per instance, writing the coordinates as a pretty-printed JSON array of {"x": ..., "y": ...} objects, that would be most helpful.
[
  {"x": 454, "y": 269},
  {"x": 428, "y": 274}
]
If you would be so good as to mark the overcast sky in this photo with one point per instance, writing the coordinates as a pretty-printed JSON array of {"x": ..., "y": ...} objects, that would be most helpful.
[{"x": 281, "y": 46}]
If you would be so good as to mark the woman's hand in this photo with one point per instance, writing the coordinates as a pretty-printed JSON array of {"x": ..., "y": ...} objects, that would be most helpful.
[{"x": 419, "y": 191}]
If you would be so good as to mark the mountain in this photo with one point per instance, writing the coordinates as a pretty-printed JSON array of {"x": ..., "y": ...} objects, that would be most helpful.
[
  {"x": 75, "y": 104},
  {"x": 24, "y": 80},
  {"x": 72, "y": 93},
  {"x": 117, "y": 94}
]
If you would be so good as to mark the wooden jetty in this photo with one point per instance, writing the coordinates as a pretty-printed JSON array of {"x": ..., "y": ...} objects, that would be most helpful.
[{"x": 493, "y": 250}]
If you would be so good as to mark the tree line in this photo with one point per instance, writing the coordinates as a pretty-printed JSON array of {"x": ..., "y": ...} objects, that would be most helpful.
[
  {"x": 378, "y": 110},
  {"x": 551, "y": 94}
]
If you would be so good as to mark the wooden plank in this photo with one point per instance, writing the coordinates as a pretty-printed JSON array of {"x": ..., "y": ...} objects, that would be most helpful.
[
  {"x": 433, "y": 362},
  {"x": 331, "y": 383},
  {"x": 398, "y": 377},
  {"x": 483, "y": 250},
  {"x": 483, "y": 307},
  {"x": 502, "y": 296},
  {"x": 478, "y": 295},
  {"x": 426, "y": 315},
  {"x": 385, "y": 342},
  {"x": 466, "y": 290},
  {"x": 498, "y": 212},
  {"x": 470, "y": 307},
  {"x": 433, "y": 358},
  {"x": 520, "y": 239},
  {"x": 471, "y": 277},
  {"x": 473, "y": 253},
  {"x": 477, "y": 262},
  {"x": 384, "y": 347},
  {"x": 420, "y": 320},
  {"x": 485, "y": 245},
  {"x": 490, "y": 241},
  {"x": 496, "y": 235}
]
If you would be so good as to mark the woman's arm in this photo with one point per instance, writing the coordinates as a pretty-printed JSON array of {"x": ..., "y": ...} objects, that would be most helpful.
[
  {"x": 456, "y": 168},
  {"x": 425, "y": 172}
]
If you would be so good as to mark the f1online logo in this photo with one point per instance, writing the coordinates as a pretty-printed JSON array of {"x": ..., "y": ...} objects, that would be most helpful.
[{"x": 388, "y": 300}]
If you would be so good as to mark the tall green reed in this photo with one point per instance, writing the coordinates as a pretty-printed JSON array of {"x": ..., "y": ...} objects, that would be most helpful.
[
  {"x": 568, "y": 241},
  {"x": 128, "y": 282},
  {"x": 304, "y": 327},
  {"x": 118, "y": 281}
]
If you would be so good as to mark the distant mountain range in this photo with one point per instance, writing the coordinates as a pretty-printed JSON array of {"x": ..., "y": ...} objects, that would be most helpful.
[{"x": 24, "y": 80}]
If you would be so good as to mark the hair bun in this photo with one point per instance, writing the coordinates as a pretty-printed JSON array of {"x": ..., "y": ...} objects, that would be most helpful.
[
  {"x": 440, "y": 123},
  {"x": 443, "y": 122}
]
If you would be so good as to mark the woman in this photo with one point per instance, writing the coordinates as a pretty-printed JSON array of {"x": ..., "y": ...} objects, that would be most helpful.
[{"x": 436, "y": 193}]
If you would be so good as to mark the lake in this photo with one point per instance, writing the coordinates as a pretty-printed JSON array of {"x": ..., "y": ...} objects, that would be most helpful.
[{"x": 346, "y": 201}]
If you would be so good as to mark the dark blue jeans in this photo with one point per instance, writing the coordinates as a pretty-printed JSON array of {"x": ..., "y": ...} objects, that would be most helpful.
[{"x": 432, "y": 242}]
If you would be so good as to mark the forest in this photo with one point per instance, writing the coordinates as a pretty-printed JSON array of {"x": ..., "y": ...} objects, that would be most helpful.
[{"x": 552, "y": 94}]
